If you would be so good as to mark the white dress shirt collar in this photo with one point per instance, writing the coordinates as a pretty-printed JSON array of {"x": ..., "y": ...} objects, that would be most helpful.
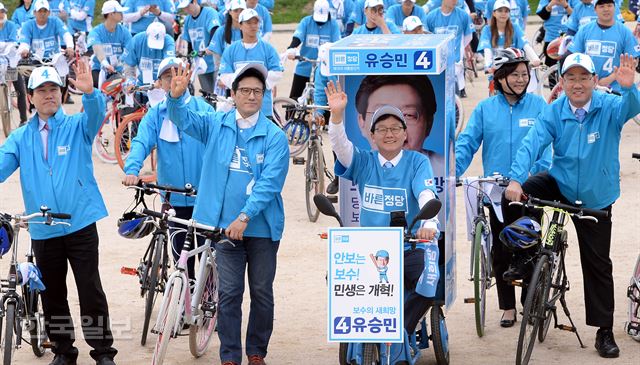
[
  {"x": 247, "y": 122},
  {"x": 394, "y": 161}
]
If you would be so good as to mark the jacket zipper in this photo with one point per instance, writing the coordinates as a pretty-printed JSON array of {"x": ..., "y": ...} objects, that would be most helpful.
[{"x": 579, "y": 153}]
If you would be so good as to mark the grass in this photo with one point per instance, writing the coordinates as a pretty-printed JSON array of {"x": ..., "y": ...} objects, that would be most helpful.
[{"x": 286, "y": 11}]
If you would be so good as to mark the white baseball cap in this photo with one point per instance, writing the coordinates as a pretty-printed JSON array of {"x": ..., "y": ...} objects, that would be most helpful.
[
  {"x": 168, "y": 63},
  {"x": 2, "y": 7},
  {"x": 248, "y": 14},
  {"x": 410, "y": 23},
  {"x": 42, "y": 75},
  {"x": 41, "y": 4},
  {"x": 184, "y": 3},
  {"x": 251, "y": 65},
  {"x": 321, "y": 11},
  {"x": 237, "y": 4},
  {"x": 155, "y": 35},
  {"x": 578, "y": 59},
  {"x": 373, "y": 3},
  {"x": 501, "y": 4},
  {"x": 112, "y": 6}
]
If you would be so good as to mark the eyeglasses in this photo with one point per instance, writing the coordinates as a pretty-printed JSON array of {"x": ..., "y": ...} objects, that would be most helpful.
[
  {"x": 575, "y": 80},
  {"x": 246, "y": 91},
  {"x": 394, "y": 130}
]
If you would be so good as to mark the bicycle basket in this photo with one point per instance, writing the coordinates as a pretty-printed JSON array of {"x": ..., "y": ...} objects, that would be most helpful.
[
  {"x": 6, "y": 235},
  {"x": 134, "y": 226},
  {"x": 521, "y": 234},
  {"x": 297, "y": 132},
  {"x": 113, "y": 85}
]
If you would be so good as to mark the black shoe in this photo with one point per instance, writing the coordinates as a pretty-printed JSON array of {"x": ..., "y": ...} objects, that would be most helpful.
[
  {"x": 506, "y": 323},
  {"x": 61, "y": 359},
  {"x": 333, "y": 187},
  {"x": 605, "y": 344},
  {"x": 463, "y": 93},
  {"x": 105, "y": 361}
]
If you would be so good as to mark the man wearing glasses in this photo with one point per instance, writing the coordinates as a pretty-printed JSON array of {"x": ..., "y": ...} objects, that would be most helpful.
[
  {"x": 245, "y": 163},
  {"x": 389, "y": 173},
  {"x": 584, "y": 127},
  {"x": 376, "y": 23}
]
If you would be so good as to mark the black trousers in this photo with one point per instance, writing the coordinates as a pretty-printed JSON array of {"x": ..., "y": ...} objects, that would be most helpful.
[
  {"x": 95, "y": 75},
  {"x": 21, "y": 95},
  {"x": 297, "y": 86},
  {"x": 80, "y": 250},
  {"x": 178, "y": 240},
  {"x": 594, "y": 240}
]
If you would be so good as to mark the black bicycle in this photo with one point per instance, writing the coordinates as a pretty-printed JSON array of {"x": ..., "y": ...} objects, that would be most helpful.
[
  {"x": 153, "y": 268},
  {"x": 549, "y": 281}
]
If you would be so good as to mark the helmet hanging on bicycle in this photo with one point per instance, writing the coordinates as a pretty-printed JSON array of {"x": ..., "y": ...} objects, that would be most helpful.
[
  {"x": 297, "y": 132},
  {"x": 521, "y": 234},
  {"x": 6, "y": 235},
  {"x": 112, "y": 85},
  {"x": 133, "y": 225},
  {"x": 505, "y": 62}
]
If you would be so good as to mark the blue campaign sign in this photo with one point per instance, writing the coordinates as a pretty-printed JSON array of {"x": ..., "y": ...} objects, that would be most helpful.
[{"x": 384, "y": 54}]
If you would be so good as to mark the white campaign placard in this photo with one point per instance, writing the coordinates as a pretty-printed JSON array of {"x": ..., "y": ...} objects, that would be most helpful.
[{"x": 366, "y": 286}]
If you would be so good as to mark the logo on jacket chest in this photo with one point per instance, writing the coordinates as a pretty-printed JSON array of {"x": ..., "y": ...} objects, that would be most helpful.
[
  {"x": 593, "y": 137},
  {"x": 63, "y": 150}
]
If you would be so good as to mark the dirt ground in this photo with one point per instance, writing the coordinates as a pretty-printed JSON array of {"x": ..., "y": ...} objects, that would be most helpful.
[{"x": 299, "y": 335}]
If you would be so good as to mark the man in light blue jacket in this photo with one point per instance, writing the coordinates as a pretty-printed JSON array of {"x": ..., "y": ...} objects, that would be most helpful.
[
  {"x": 53, "y": 152},
  {"x": 246, "y": 161},
  {"x": 584, "y": 127},
  {"x": 179, "y": 155}
]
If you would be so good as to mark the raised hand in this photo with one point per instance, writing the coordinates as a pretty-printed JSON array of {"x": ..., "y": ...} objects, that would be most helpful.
[
  {"x": 180, "y": 80},
  {"x": 337, "y": 101},
  {"x": 83, "y": 80},
  {"x": 626, "y": 72}
]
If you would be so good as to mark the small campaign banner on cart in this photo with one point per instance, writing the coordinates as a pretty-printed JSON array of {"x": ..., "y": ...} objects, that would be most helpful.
[{"x": 366, "y": 293}]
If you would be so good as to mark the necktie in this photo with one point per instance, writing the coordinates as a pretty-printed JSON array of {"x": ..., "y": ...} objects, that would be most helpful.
[
  {"x": 580, "y": 114},
  {"x": 387, "y": 165},
  {"x": 45, "y": 138}
]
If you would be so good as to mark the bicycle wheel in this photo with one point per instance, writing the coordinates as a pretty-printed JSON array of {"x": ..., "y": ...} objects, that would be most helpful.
[
  {"x": 105, "y": 139},
  {"x": 167, "y": 321},
  {"x": 201, "y": 332},
  {"x": 7, "y": 341},
  {"x": 533, "y": 311},
  {"x": 370, "y": 354},
  {"x": 439, "y": 335},
  {"x": 549, "y": 76},
  {"x": 283, "y": 110},
  {"x": 342, "y": 354},
  {"x": 556, "y": 282},
  {"x": 480, "y": 278},
  {"x": 150, "y": 283},
  {"x": 35, "y": 320},
  {"x": 10, "y": 122},
  {"x": 314, "y": 178},
  {"x": 126, "y": 132},
  {"x": 460, "y": 122},
  {"x": 538, "y": 45}
]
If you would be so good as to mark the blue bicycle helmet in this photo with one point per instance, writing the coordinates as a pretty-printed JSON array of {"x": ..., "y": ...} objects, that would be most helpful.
[
  {"x": 133, "y": 225},
  {"x": 297, "y": 132},
  {"x": 521, "y": 234},
  {"x": 6, "y": 235}
]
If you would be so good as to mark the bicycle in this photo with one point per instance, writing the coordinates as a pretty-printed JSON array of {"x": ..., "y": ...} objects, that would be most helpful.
[
  {"x": 23, "y": 310},
  {"x": 549, "y": 282},
  {"x": 480, "y": 271},
  {"x": 153, "y": 268},
  {"x": 409, "y": 352},
  {"x": 82, "y": 51},
  {"x": 8, "y": 74},
  {"x": 632, "y": 326},
  {"x": 459, "y": 116},
  {"x": 179, "y": 306}
]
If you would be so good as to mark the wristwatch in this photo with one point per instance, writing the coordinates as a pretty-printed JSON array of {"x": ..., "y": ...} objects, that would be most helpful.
[{"x": 243, "y": 217}]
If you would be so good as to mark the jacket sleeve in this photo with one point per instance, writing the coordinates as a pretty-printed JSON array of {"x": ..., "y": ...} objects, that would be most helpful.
[
  {"x": 536, "y": 140},
  {"x": 144, "y": 141},
  {"x": 9, "y": 156},
  {"x": 469, "y": 141},
  {"x": 193, "y": 123},
  {"x": 94, "y": 111},
  {"x": 628, "y": 106},
  {"x": 272, "y": 177},
  {"x": 544, "y": 161}
]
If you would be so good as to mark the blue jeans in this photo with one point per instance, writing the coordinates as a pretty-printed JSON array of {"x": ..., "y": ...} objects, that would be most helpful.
[{"x": 258, "y": 257}]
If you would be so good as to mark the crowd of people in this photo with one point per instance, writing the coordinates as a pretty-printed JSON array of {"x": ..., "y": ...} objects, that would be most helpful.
[{"x": 238, "y": 159}]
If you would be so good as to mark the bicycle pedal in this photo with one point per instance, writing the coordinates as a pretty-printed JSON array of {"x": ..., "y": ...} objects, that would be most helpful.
[
  {"x": 469, "y": 300},
  {"x": 333, "y": 198},
  {"x": 128, "y": 271},
  {"x": 516, "y": 283},
  {"x": 47, "y": 345},
  {"x": 564, "y": 327},
  {"x": 298, "y": 160}
]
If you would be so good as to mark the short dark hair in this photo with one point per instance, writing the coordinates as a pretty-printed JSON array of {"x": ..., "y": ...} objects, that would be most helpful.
[
  {"x": 600, "y": 2},
  {"x": 251, "y": 72},
  {"x": 420, "y": 83}
]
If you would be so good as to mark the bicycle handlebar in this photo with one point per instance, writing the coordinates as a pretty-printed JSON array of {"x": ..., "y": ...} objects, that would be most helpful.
[
  {"x": 44, "y": 212},
  {"x": 495, "y": 178},
  {"x": 170, "y": 216},
  {"x": 188, "y": 189},
  {"x": 580, "y": 213}
]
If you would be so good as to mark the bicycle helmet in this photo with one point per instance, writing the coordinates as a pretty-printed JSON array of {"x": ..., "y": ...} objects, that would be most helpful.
[
  {"x": 6, "y": 235},
  {"x": 113, "y": 85},
  {"x": 521, "y": 234},
  {"x": 553, "y": 49},
  {"x": 297, "y": 132},
  {"x": 508, "y": 56},
  {"x": 133, "y": 225}
]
